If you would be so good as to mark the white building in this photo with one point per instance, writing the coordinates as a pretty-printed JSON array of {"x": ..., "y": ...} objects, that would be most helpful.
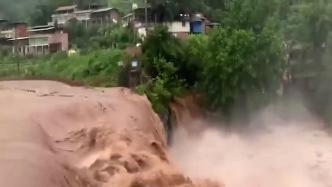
[{"x": 180, "y": 29}]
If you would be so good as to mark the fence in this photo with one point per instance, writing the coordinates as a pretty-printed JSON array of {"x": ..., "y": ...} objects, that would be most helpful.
[{"x": 13, "y": 69}]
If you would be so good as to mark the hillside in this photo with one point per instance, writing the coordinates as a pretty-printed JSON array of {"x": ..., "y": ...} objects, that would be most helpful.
[
  {"x": 17, "y": 9},
  {"x": 21, "y": 10}
]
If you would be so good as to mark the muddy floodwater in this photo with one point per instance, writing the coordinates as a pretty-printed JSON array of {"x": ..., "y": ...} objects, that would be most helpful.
[
  {"x": 269, "y": 150},
  {"x": 56, "y": 135}
]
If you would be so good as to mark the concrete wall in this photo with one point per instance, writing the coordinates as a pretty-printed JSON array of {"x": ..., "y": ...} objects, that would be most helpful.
[
  {"x": 39, "y": 40},
  {"x": 83, "y": 16},
  {"x": 62, "y": 18},
  {"x": 181, "y": 35},
  {"x": 115, "y": 15},
  {"x": 19, "y": 31},
  {"x": 7, "y": 33},
  {"x": 61, "y": 38},
  {"x": 42, "y": 43},
  {"x": 178, "y": 26},
  {"x": 104, "y": 18}
]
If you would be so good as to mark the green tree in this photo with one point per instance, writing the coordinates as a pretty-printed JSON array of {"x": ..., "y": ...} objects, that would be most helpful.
[
  {"x": 308, "y": 25},
  {"x": 248, "y": 14},
  {"x": 164, "y": 87},
  {"x": 238, "y": 64},
  {"x": 114, "y": 36},
  {"x": 80, "y": 36},
  {"x": 43, "y": 10},
  {"x": 161, "y": 44},
  {"x": 163, "y": 64},
  {"x": 41, "y": 15},
  {"x": 195, "y": 49},
  {"x": 323, "y": 93}
]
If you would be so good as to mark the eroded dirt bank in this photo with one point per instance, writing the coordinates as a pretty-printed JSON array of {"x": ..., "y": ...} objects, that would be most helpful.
[{"x": 55, "y": 135}]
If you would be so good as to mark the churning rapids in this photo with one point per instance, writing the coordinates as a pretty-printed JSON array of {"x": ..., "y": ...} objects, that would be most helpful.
[{"x": 56, "y": 135}]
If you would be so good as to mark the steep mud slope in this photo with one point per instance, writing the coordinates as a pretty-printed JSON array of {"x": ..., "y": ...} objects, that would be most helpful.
[{"x": 55, "y": 135}]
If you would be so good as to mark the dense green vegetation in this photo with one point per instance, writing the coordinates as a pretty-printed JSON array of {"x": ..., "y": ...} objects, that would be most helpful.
[
  {"x": 161, "y": 66},
  {"x": 242, "y": 63},
  {"x": 114, "y": 36},
  {"x": 97, "y": 68}
]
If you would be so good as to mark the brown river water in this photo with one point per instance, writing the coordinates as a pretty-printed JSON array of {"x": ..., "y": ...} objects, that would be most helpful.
[{"x": 56, "y": 135}]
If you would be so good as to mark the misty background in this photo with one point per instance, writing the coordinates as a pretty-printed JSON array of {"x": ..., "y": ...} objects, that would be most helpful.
[
  {"x": 17, "y": 9},
  {"x": 22, "y": 10}
]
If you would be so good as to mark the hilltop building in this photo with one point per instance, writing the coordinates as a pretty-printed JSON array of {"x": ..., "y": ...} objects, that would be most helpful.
[
  {"x": 14, "y": 36},
  {"x": 37, "y": 40},
  {"x": 47, "y": 39},
  {"x": 95, "y": 15},
  {"x": 143, "y": 19}
]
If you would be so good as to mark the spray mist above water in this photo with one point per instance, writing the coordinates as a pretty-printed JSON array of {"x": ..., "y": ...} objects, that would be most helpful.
[{"x": 286, "y": 153}]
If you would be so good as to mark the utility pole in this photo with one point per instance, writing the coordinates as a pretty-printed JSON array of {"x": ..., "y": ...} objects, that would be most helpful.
[
  {"x": 90, "y": 3},
  {"x": 15, "y": 44},
  {"x": 146, "y": 13}
]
